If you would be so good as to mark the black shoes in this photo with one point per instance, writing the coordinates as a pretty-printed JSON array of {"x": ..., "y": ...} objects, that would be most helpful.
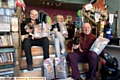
[
  {"x": 89, "y": 79},
  {"x": 29, "y": 67}
]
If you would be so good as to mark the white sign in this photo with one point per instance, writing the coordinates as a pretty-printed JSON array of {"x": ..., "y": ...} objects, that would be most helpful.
[
  {"x": 14, "y": 23},
  {"x": 88, "y": 6}
]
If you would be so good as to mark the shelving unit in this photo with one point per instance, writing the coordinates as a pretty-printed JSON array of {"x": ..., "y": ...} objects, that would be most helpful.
[
  {"x": 7, "y": 61},
  {"x": 9, "y": 39}
]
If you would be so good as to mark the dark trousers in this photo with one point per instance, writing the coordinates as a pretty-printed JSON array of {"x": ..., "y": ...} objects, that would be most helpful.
[
  {"x": 28, "y": 43},
  {"x": 90, "y": 57}
]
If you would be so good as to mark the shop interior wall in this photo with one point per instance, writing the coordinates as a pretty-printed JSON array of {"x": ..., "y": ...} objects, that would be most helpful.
[
  {"x": 113, "y": 6},
  {"x": 53, "y": 12}
]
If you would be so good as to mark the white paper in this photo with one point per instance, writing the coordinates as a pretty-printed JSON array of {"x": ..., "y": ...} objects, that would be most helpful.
[
  {"x": 14, "y": 23},
  {"x": 111, "y": 18},
  {"x": 88, "y": 7},
  {"x": 97, "y": 17}
]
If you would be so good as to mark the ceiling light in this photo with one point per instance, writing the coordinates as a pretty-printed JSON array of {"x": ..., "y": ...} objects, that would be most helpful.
[
  {"x": 48, "y": 3},
  {"x": 43, "y": 2}
]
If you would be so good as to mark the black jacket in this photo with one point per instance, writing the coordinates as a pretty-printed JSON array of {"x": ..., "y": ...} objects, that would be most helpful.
[
  {"x": 28, "y": 20},
  {"x": 55, "y": 26}
]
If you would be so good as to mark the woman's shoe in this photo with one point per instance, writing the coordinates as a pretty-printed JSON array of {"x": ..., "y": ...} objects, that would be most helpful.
[
  {"x": 63, "y": 51},
  {"x": 29, "y": 67}
]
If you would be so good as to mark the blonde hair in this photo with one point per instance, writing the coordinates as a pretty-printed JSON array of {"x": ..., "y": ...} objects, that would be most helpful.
[
  {"x": 34, "y": 11},
  {"x": 61, "y": 16}
]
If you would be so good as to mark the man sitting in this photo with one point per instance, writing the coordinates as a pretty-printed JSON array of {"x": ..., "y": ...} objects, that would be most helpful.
[{"x": 86, "y": 41}]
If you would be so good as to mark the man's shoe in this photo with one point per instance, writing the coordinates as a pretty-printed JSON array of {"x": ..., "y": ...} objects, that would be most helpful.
[{"x": 29, "y": 67}]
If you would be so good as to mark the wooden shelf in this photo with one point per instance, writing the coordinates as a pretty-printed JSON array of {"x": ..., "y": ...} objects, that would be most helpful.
[
  {"x": 10, "y": 46},
  {"x": 6, "y": 65},
  {"x": 112, "y": 46}
]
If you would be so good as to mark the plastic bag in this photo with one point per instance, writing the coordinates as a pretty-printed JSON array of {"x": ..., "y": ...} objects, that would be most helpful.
[
  {"x": 99, "y": 44},
  {"x": 48, "y": 69},
  {"x": 60, "y": 68}
]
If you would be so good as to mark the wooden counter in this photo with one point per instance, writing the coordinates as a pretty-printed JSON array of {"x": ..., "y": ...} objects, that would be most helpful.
[{"x": 113, "y": 46}]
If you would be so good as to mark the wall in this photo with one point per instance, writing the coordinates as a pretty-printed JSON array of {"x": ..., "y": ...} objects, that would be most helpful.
[
  {"x": 113, "y": 6},
  {"x": 53, "y": 12}
]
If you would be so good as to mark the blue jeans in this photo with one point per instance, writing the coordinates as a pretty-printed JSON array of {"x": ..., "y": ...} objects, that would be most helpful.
[{"x": 58, "y": 41}]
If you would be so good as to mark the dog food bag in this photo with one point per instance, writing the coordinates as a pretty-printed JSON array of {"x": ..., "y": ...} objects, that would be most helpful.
[
  {"x": 99, "y": 45},
  {"x": 48, "y": 69},
  {"x": 60, "y": 68}
]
